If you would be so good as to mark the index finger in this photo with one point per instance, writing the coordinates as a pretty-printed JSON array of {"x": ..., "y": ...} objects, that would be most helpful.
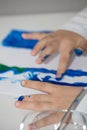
[
  {"x": 41, "y": 86},
  {"x": 63, "y": 63},
  {"x": 35, "y": 35},
  {"x": 41, "y": 44}
]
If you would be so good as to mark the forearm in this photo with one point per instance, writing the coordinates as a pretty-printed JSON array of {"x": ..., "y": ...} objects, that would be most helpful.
[{"x": 78, "y": 24}]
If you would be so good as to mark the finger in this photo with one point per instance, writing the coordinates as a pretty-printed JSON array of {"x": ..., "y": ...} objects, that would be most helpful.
[
  {"x": 41, "y": 86},
  {"x": 36, "y": 106},
  {"x": 41, "y": 45},
  {"x": 39, "y": 97},
  {"x": 63, "y": 63},
  {"x": 45, "y": 54},
  {"x": 38, "y": 36},
  {"x": 49, "y": 119},
  {"x": 28, "y": 36}
]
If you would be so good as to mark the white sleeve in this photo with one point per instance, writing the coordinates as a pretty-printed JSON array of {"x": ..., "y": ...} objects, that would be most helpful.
[{"x": 78, "y": 24}]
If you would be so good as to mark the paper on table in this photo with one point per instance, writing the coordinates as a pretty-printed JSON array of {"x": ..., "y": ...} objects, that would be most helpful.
[
  {"x": 15, "y": 89},
  {"x": 21, "y": 57}
]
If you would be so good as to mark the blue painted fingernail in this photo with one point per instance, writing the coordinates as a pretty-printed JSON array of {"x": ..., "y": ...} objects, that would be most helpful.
[
  {"x": 20, "y": 98},
  {"x": 45, "y": 57},
  {"x": 29, "y": 96},
  {"x": 78, "y": 52}
]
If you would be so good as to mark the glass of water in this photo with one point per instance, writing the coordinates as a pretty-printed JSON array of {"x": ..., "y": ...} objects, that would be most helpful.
[
  {"x": 74, "y": 120},
  {"x": 71, "y": 119},
  {"x": 47, "y": 120}
]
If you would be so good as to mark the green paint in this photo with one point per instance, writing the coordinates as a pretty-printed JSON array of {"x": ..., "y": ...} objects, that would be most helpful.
[{"x": 4, "y": 68}]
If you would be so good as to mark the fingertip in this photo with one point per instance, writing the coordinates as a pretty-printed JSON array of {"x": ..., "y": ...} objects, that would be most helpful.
[
  {"x": 24, "y": 36},
  {"x": 23, "y": 83},
  {"x": 39, "y": 61},
  {"x": 58, "y": 75},
  {"x": 17, "y": 103},
  {"x": 34, "y": 52},
  {"x": 78, "y": 51}
]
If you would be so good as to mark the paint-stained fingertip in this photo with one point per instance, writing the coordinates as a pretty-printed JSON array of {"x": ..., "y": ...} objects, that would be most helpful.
[
  {"x": 59, "y": 76},
  {"x": 21, "y": 98},
  {"x": 24, "y": 36}
]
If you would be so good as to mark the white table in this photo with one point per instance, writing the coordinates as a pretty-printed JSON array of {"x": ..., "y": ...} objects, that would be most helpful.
[{"x": 10, "y": 117}]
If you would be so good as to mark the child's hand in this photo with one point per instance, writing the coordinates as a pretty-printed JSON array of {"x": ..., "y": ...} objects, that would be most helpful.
[
  {"x": 55, "y": 97},
  {"x": 61, "y": 41}
]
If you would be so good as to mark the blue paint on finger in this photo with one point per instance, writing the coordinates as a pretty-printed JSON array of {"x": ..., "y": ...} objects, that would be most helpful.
[
  {"x": 78, "y": 52},
  {"x": 21, "y": 98},
  {"x": 45, "y": 57}
]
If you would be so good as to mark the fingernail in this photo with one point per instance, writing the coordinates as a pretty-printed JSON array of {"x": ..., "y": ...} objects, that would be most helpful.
[
  {"x": 23, "y": 82},
  {"x": 32, "y": 126},
  {"x": 24, "y": 36},
  {"x": 33, "y": 53},
  {"x": 21, "y": 98},
  {"x": 78, "y": 51},
  {"x": 39, "y": 61}
]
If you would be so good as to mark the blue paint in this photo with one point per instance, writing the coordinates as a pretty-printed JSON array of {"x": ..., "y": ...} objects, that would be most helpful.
[
  {"x": 29, "y": 96},
  {"x": 45, "y": 57},
  {"x": 78, "y": 52},
  {"x": 75, "y": 84},
  {"x": 61, "y": 77},
  {"x": 14, "y": 39},
  {"x": 12, "y": 80},
  {"x": 21, "y": 98},
  {"x": 42, "y": 74},
  {"x": 73, "y": 73}
]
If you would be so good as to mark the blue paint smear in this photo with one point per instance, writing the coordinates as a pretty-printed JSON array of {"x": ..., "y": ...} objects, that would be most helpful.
[
  {"x": 14, "y": 39},
  {"x": 73, "y": 73},
  {"x": 12, "y": 80},
  {"x": 34, "y": 72},
  {"x": 69, "y": 72}
]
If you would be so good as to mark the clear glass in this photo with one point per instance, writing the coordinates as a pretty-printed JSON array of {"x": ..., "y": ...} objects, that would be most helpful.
[
  {"x": 75, "y": 120},
  {"x": 71, "y": 119}
]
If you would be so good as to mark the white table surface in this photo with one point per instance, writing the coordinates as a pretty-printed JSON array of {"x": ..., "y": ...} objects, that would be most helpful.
[{"x": 10, "y": 117}]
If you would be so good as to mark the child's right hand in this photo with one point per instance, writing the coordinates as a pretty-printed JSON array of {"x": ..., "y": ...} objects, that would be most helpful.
[{"x": 61, "y": 41}]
